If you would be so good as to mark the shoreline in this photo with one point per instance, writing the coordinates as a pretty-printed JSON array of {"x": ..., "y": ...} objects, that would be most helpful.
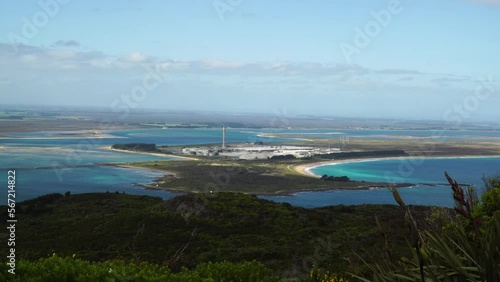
[
  {"x": 281, "y": 193},
  {"x": 265, "y": 135},
  {"x": 305, "y": 169},
  {"x": 130, "y": 166},
  {"x": 151, "y": 154},
  {"x": 77, "y": 134},
  {"x": 61, "y": 137},
  {"x": 302, "y": 169},
  {"x": 153, "y": 185}
]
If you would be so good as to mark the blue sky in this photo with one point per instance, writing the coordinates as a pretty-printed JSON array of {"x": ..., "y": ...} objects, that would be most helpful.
[{"x": 399, "y": 59}]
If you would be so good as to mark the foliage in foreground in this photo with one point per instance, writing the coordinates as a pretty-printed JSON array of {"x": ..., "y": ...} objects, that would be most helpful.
[
  {"x": 237, "y": 227},
  {"x": 317, "y": 275},
  {"x": 186, "y": 231},
  {"x": 69, "y": 269},
  {"x": 467, "y": 248}
]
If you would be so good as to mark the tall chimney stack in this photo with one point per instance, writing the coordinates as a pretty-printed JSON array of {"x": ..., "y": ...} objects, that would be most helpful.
[{"x": 223, "y": 137}]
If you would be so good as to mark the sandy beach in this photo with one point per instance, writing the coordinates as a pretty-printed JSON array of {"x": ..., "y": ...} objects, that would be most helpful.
[
  {"x": 130, "y": 166},
  {"x": 284, "y": 137},
  {"x": 151, "y": 154},
  {"x": 305, "y": 169}
]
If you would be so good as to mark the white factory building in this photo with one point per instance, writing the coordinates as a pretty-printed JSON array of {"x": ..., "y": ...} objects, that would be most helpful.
[{"x": 256, "y": 151}]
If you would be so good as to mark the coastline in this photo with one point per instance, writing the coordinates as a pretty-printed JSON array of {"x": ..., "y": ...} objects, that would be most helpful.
[
  {"x": 151, "y": 154},
  {"x": 266, "y": 135},
  {"x": 153, "y": 185},
  {"x": 130, "y": 166},
  {"x": 305, "y": 169},
  {"x": 302, "y": 169},
  {"x": 281, "y": 193},
  {"x": 64, "y": 136}
]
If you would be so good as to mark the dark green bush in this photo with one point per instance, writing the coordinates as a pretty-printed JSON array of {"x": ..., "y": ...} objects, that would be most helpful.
[{"x": 61, "y": 269}]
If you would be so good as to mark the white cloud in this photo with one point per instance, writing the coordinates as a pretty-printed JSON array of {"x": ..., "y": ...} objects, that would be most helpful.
[
  {"x": 87, "y": 63},
  {"x": 29, "y": 58},
  {"x": 214, "y": 64},
  {"x": 62, "y": 54},
  {"x": 136, "y": 57},
  {"x": 406, "y": 78},
  {"x": 399, "y": 71},
  {"x": 66, "y": 43}
]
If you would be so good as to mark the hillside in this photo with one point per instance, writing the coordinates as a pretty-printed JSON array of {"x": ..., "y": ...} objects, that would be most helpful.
[{"x": 191, "y": 229}]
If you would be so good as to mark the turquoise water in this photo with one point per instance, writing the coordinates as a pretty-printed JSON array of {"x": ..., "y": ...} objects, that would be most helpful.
[
  {"x": 427, "y": 174},
  {"x": 33, "y": 183},
  {"x": 46, "y": 165},
  {"x": 415, "y": 170}
]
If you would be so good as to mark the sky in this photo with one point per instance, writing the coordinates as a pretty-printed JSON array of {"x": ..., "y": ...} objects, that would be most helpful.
[{"x": 404, "y": 59}]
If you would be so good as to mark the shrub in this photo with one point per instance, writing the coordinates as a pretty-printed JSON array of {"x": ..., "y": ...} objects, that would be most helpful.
[
  {"x": 61, "y": 269},
  {"x": 466, "y": 251}
]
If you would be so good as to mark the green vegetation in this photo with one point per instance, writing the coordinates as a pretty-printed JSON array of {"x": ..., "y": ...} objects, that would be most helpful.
[
  {"x": 141, "y": 147},
  {"x": 467, "y": 248},
  {"x": 238, "y": 237},
  {"x": 189, "y": 230},
  {"x": 56, "y": 268},
  {"x": 283, "y": 157},
  {"x": 343, "y": 178},
  {"x": 263, "y": 177},
  {"x": 489, "y": 206},
  {"x": 276, "y": 175}
]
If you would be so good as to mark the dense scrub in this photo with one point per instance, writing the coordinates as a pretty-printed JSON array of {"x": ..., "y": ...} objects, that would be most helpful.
[
  {"x": 463, "y": 246},
  {"x": 143, "y": 147},
  {"x": 58, "y": 269},
  {"x": 197, "y": 228},
  {"x": 217, "y": 236},
  {"x": 263, "y": 177}
]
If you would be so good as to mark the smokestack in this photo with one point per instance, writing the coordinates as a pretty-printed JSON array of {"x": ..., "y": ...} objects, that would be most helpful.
[{"x": 223, "y": 137}]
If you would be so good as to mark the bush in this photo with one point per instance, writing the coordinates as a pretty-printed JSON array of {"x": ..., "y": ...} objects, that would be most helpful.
[
  {"x": 61, "y": 269},
  {"x": 136, "y": 147},
  {"x": 490, "y": 200},
  {"x": 467, "y": 250}
]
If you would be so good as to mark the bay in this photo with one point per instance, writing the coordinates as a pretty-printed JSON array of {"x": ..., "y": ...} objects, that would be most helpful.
[
  {"x": 49, "y": 162},
  {"x": 58, "y": 161},
  {"x": 429, "y": 187}
]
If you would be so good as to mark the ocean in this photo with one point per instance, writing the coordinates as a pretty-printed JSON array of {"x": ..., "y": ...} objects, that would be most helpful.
[
  {"x": 45, "y": 164},
  {"x": 429, "y": 185}
]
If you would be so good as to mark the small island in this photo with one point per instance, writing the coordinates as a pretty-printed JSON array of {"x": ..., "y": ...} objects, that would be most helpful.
[{"x": 141, "y": 147}]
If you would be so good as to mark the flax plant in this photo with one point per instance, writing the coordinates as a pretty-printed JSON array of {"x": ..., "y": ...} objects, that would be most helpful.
[{"x": 469, "y": 250}]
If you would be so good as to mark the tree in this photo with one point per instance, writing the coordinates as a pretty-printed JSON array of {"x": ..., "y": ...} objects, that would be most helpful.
[{"x": 489, "y": 206}]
